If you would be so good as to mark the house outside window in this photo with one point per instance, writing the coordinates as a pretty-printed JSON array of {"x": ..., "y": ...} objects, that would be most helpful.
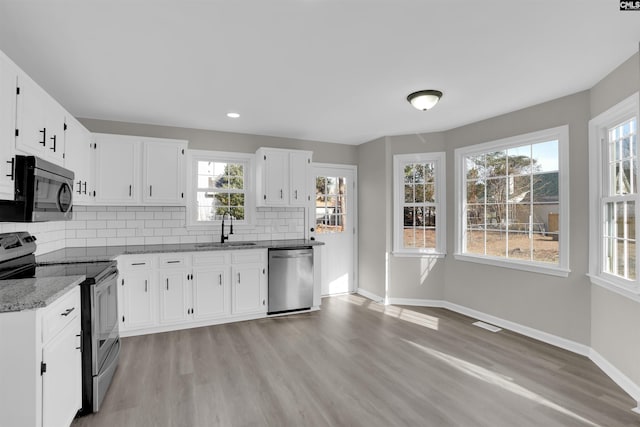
[
  {"x": 419, "y": 200},
  {"x": 221, "y": 185},
  {"x": 613, "y": 189},
  {"x": 512, "y": 207}
]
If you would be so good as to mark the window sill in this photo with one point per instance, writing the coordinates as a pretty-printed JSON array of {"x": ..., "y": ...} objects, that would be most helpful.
[
  {"x": 631, "y": 292},
  {"x": 534, "y": 268},
  {"x": 418, "y": 254}
]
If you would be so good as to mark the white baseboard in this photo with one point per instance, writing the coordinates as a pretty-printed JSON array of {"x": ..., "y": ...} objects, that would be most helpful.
[
  {"x": 370, "y": 295},
  {"x": 631, "y": 388},
  {"x": 609, "y": 369}
]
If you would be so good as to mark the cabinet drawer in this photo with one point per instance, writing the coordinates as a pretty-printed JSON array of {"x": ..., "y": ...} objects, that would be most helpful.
[
  {"x": 248, "y": 257},
  {"x": 136, "y": 263},
  {"x": 172, "y": 261},
  {"x": 211, "y": 258},
  {"x": 60, "y": 313}
]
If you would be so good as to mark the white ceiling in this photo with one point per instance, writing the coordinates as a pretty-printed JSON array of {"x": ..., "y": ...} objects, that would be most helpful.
[{"x": 327, "y": 70}]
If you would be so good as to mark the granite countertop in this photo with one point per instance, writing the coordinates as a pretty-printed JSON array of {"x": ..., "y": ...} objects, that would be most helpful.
[
  {"x": 29, "y": 294},
  {"x": 108, "y": 253}
]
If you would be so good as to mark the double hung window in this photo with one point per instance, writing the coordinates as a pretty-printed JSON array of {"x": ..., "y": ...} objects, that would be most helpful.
[
  {"x": 221, "y": 186},
  {"x": 419, "y": 217},
  {"x": 614, "y": 196}
]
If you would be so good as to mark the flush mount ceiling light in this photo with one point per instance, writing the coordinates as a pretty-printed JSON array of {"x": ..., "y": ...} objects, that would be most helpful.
[
  {"x": 424, "y": 99},
  {"x": 233, "y": 115}
]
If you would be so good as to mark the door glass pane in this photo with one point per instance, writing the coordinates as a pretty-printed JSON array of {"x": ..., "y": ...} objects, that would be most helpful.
[{"x": 331, "y": 204}]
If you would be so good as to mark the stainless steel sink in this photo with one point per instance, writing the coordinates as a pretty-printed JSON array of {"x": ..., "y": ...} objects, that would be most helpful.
[{"x": 224, "y": 245}]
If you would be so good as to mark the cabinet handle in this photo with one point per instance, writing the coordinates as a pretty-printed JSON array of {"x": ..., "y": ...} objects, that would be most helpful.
[
  {"x": 129, "y": 191},
  {"x": 138, "y": 263},
  {"x": 220, "y": 279},
  {"x": 150, "y": 190},
  {"x": 145, "y": 286},
  {"x": 13, "y": 164},
  {"x": 67, "y": 311},
  {"x": 296, "y": 196},
  {"x": 53, "y": 138},
  {"x": 44, "y": 136},
  {"x": 79, "y": 187},
  {"x": 173, "y": 262},
  {"x": 238, "y": 277},
  {"x": 167, "y": 284},
  {"x": 281, "y": 194},
  {"x": 85, "y": 188},
  {"x": 80, "y": 340}
]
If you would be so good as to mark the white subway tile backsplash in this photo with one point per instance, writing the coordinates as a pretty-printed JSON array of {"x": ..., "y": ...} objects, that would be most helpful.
[{"x": 137, "y": 225}]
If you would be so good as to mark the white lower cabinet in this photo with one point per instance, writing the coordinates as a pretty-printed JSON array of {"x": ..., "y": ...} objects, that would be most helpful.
[
  {"x": 191, "y": 289},
  {"x": 41, "y": 365},
  {"x": 136, "y": 293}
]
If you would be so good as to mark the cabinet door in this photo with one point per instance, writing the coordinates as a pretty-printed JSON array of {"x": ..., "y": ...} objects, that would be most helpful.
[
  {"x": 210, "y": 292},
  {"x": 247, "y": 294},
  {"x": 8, "y": 84},
  {"x": 164, "y": 173},
  {"x": 137, "y": 299},
  {"x": 62, "y": 381},
  {"x": 173, "y": 292},
  {"x": 79, "y": 158},
  {"x": 299, "y": 166},
  {"x": 55, "y": 124},
  {"x": 117, "y": 163},
  {"x": 276, "y": 182},
  {"x": 32, "y": 134}
]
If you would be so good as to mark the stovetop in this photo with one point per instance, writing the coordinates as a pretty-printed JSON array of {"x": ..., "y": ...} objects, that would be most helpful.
[{"x": 17, "y": 261}]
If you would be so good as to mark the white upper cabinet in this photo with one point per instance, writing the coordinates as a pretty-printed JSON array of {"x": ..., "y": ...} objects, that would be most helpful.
[
  {"x": 164, "y": 172},
  {"x": 117, "y": 169},
  {"x": 134, "y": 170},
  {"x": 8, "y": 82},
  {"x": 283, "y": 177},
  {"x": 79, "y": 158},
  {"x": 40, "y": 122}
]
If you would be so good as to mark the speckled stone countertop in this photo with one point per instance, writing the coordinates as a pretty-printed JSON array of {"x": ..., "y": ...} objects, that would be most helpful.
[
  {"x": 29, "y": 294},
  {"x": 107, "y": 253}
]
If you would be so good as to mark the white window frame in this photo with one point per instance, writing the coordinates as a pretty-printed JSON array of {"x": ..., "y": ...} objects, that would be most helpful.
[
  {"x": 399, "y": 161},
  {"x": 561, "y": 134},
  {"x": 598, "y": 179},
  {"x": 248, "y": 160}
]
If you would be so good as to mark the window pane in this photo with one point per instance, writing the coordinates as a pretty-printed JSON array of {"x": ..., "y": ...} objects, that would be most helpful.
[
  {"x": 409, "y": 174},
  {"x": 429, "y": 172},
  {"x": 545, "y": 188},
  {"x": 496, "y": 243},
  {"x": 519, "y": 160},
  {"x": 545, "y": 156},
  {"x": 475, "y": 192},
  {"x": 519, "y": 217},
  {"x": 321, "y": 185},
  {"x": 409, "y": 238},
  {"x": 475, "y": 167},
  {"x": 496, "y": 164},
  {"x": 495, "y": 215},
  {"x": 545, "y": 248},
  {"x": 419, "y": 193},
  {"x": 332, "y": 185},
  {"x": 475, "y": 216},
  {"x": 609, "y": 248},
  {"x": 475, "y": 241},
  {"x": 632, "y": 259},
  {"x": 409, "y": 196},
  {"x": 429, "y": 216},
  {"x": 496, "y": 190},
  {"x": 519, "y": 245},
  {"x": 620, "y": 220},
  {"x": 430, "y": 193},
  {"x": 409, "y": 217},
  {"x": 519, "y": 189}
]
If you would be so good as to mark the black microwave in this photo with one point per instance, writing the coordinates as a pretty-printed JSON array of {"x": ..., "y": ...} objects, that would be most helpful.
[{"x": 43, "y": 192}]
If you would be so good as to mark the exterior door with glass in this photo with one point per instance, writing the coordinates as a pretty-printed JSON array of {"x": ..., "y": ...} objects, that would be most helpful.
[{"x": 332, "y": 220}]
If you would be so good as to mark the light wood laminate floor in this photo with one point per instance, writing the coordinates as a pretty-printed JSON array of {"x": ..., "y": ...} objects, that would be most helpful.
[{"x": 356, "y": 363}]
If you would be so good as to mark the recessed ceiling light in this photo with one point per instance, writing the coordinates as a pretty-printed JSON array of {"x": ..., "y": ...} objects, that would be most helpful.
[{"x": 233, "y": 115}]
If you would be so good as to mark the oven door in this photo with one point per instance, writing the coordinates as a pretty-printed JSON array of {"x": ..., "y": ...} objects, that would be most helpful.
[
  {"x": 104, "y": 320},
  {"x": 52, "y": 196}
]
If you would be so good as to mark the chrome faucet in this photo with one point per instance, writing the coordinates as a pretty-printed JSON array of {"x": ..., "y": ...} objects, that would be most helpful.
[{"x": 222, "y": 236}]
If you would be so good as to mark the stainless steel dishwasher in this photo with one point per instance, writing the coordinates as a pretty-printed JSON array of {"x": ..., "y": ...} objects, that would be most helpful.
[{"x": 290, "y": 279}]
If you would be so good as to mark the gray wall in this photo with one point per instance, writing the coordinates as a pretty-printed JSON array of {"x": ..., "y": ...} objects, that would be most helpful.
[
  {"x": 373, "y": 218},
  {"x": 570, "y": 307},
  {"x": 560, "y": 306},
  {"x": 614, "y": 318},
  {"x": 323, "y": 152}
]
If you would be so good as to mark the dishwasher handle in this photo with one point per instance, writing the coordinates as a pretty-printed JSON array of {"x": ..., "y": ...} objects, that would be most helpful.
[{"x": 295, "y": 255}]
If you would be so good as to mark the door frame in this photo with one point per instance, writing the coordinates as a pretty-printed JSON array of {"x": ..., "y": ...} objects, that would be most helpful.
[{"x": 311, "y": 214}]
